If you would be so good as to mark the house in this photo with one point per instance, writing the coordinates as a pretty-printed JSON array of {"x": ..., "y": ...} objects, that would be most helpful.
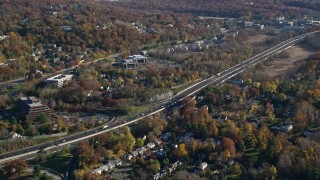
[
  {"x": 166, "y": 136},
  {"x": 200, "y": 98},
  {"x": 101, "y": 169},
  {"x": 258, "y": 26},
  {"x": 11, "y": 135},
  {"x": 157, "y": 141},
  {"x": 287, "y": 128},
  {"x": 118, "y": 162},
  {"x": 156, "y": 176},
  {"x": 151, "y": 145},
  {"x": 230, "y": 162},
  {"x": 248, "y": 24},
  {"x": 134, "y": 153},
  {"x": 128, "y": 156},
  {"x": 141, "y": 150},
  {"x": 66, "y": 28},
  {"x": 111, "y": 164},
  {"x": 203, "y": 166},
  {"x": 174, "y": 166}
]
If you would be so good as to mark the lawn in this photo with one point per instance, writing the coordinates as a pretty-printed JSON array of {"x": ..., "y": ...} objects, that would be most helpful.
[
  {"x": 57, "y": 162},
  {"x": 137, "y": 110}
]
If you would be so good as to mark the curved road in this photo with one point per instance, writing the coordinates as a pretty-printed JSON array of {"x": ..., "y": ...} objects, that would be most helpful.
[{"x": 215, "y": 80}]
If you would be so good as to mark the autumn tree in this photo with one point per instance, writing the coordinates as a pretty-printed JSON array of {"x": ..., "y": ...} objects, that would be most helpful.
[
  {"x": 15, "y": 167},
  {"x": 228, "y": 144},
  {"x": 181, "y": 151}
]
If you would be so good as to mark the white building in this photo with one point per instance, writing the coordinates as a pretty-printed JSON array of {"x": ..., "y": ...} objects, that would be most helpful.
[
  {"x": 151, "y": 145},
  {"x": 203, "y": 165},
  {"x": 59, "y": 80}
]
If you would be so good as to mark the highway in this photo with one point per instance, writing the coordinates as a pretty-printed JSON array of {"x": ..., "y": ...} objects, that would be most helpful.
[{"x": 214, "y": 80}]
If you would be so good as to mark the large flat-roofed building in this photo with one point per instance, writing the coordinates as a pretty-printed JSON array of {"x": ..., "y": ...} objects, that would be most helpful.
[
  {"x": 138, "y": 58},
  {"x": 129, "y": 64},
  {"x": 59, "y": 80},
  {"x": 31, "y": 107}
]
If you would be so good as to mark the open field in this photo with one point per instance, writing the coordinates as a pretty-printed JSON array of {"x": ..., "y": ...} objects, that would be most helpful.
[{"x": 283, "y": 64}]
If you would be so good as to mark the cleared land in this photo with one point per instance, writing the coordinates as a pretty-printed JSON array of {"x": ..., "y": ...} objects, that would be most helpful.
[{"x": 284, "y": 64}]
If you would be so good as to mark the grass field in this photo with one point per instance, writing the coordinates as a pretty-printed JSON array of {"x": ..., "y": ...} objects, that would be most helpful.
[{"x": 57, "y": 162}]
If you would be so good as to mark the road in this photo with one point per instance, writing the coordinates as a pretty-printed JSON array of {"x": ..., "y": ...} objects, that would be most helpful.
[{"x": 214, "y": 80}]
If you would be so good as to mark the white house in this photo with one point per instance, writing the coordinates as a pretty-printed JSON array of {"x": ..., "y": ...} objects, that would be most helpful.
[
  {"x": 151, "y": 145},
  {"x": 141, "y": 150},
  {"x": 203, "y": 165}
]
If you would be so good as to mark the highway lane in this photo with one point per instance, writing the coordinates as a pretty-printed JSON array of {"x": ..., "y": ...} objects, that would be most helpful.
[{"x": 215, "y": 80}]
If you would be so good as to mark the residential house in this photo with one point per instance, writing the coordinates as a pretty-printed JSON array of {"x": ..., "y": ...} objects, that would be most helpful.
[
  {"x": 128, "y": 156},
  {"x": 157, "y": 142},
  {"x": 11, "y": 135},
  {"x": 141, "y": 150},
  {"x": 203, "y": 166},
  {"x": 156, "y": 176},
  {"x": 151, "y": 145},
  {"x": 134, "y": 153}
]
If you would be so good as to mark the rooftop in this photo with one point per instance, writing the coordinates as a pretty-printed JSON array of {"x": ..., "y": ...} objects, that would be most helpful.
[
  {"x": 31, "y": 101},
  {"x": 59, "y": 76}
]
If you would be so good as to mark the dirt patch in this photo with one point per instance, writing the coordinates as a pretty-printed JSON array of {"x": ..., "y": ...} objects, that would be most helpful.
[
  {"x": 257, "y": 38},
  {"x": 282, "y": 65}
]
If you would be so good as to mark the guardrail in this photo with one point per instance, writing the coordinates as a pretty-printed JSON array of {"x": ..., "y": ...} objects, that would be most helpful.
[{"x": 51, "y": 171}]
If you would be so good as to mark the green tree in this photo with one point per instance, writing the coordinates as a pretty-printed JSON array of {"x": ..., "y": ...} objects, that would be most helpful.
[
  {"x": 42, "y": 119},
  {"x": 140, "y": 142},
  {"x": 36, "y": 170},
  {"x": 282, "y": 98},
  {"x": 154, "y": 166},
  {"x": 46, "y": 177}
]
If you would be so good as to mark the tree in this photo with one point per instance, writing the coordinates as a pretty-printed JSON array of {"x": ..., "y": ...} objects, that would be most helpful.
[
  {"x": 46, "y": 177},
  {"x": 228, "y": 144},
  {"x": 140, "y": 142},
  {"x": 42, "y": 119},
  {"x": 36, "y": 170},
  {"x": 154, "y": 166},
  {"x": 282, "y": 98},
  {"x": 272, "y": 172},
  {"x": 127, "y": 140},
  {"x": 181, "y": 151},
  {"x": 15, "y": 167}
]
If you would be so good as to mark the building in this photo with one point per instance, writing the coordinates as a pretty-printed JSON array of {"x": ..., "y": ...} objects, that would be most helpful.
[
  {"x": 59, "y": 80},
  {"x": 31, "y": 107},
  {"x": 138, "y": 58},
  {"x": 11, "y": 135},
  {"x": 203, "y": 166},
  {"x": 151, "y": 145},
  {"x": 248, "y": 24},
  {"x": 129, "y": 64}
]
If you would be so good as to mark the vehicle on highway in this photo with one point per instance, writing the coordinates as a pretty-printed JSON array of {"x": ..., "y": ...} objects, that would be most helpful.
[{"x": 104, "y": 127}]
